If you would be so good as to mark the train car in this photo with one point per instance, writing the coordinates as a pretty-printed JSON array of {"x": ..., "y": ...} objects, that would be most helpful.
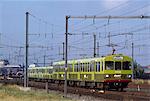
[
  {"x": 112, "y": 71},
  {"x": 14, "y": 71},
  {"x": 11, "y": 71},
  {"x": 40, "y": 72}
]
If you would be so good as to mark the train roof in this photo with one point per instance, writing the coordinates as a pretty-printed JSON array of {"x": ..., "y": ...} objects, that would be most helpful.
[
  {"x": 48, "y": 67},
  {"x": 76, "y": 61},
  {"x": 116, "y": 57},
  {"x": 11, "y": 66}
]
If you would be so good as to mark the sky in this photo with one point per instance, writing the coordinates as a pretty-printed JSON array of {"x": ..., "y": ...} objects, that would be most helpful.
[{"x": 47, "y": 29}]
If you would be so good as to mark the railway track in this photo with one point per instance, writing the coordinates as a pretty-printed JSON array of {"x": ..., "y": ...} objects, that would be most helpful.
[{"x": 111, "y": 95}]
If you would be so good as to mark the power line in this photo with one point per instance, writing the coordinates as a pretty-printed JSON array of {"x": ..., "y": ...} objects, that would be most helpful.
[{"x": 108, "y": 10}]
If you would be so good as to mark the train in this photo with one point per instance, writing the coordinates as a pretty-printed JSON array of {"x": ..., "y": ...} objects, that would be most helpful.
[
  {"x": 11, "y": 71},
  {"x": 107, "y": 72}
]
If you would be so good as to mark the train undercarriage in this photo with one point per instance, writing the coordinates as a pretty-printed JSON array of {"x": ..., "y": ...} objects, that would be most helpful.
[{"x": 119, "y": 86}]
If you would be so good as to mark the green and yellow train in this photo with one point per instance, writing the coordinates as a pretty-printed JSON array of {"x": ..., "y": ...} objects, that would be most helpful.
[{"x": 112, "y": 71}]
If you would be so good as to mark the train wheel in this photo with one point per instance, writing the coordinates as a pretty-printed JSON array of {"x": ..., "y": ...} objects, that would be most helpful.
[
  {"x": 104, "y": 87},
  {"x": 121, "y": 89}
]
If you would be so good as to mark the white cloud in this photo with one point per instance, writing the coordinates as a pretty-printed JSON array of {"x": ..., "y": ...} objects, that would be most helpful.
[{"x": 113, "y": 3}]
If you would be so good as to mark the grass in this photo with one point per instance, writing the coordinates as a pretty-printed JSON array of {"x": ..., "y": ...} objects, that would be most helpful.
[
  {"x": 13, "y": 93},
  {"x": 141, "y": 81}
]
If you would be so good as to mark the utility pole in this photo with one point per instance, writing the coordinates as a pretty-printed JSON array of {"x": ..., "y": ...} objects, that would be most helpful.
[
  {"x": 26, "y": 59},
  {"x": 132, "y": 60},
  {"x": 44, "y": 60},
  {"x": 66, "y": 56},
  {"x": 59, "y": 51},
  {"x": 94, "y": 46},
  {"x": 97, "y": 49},
  {"x": 63, "y": 51},
  {"x": 109, "y": 39}
]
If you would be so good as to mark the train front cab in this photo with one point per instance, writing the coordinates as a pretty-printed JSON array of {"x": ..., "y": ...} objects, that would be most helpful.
[{"x": 117, "y": 71}]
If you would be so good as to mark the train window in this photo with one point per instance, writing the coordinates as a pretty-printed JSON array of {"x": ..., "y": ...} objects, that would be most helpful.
[
  {"x": 36, "y": 70},
  {"x": 30, "y": 71},
  {"x": 92, "y": 67},
  {"x": 40, "y": 71},
  {"x": 83, "y": 67},
  {"x": 88, "y": 67},
  {"x": 117, "y": 65},
  {"x": 55, "y": 68},
  {"x": 126, "y": 65},
  {"x": 78, "y": 67},
  {"x": 50, "y": 71},
  {"x": 102, "y": 65},
  {"x": 109, "y": 65},
  {"x": 58, "y": 68},
  {"x": 75, "y": 67},
  {"x": 33, "y": 71},
  {"x": 70, "y": 68},
  {"x": 43, "y": 70},
  {"x": 97, "y": 66}
]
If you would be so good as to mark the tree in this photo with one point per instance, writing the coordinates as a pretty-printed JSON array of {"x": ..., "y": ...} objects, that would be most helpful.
[{"x": 138, "y": 70}]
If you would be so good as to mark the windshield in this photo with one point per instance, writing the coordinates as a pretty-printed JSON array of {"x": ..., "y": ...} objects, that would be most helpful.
[
  {"x": 126, "y": 65},
  {"x": 109, "y": 65},
  {"x": 117, "y": 65}
]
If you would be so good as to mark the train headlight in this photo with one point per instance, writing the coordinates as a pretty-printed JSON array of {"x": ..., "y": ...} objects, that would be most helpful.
[
  {"x": 129, "y": 76},
  {"x": 107, "y": 76}
]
